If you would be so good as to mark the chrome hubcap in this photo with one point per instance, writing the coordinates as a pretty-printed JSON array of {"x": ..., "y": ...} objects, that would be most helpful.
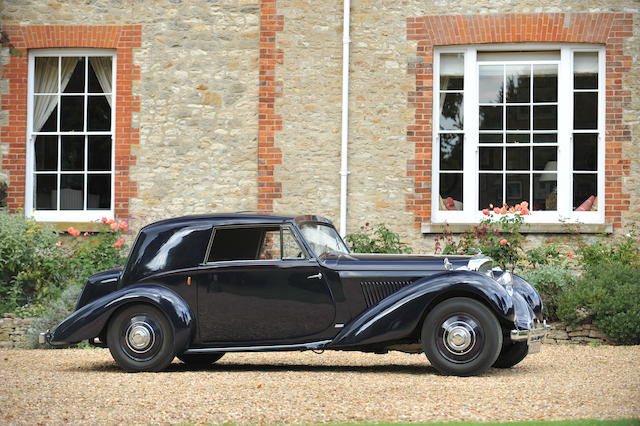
[
  {"x": 459, "y": 337},
  {"x": 140, "y": 337}
]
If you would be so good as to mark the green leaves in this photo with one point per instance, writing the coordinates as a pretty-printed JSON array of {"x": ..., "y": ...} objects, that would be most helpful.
[{"x": 378, "y": 240}]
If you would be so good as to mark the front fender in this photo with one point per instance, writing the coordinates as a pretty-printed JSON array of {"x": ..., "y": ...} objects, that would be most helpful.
[
  {"x": 89, "y": 321},
  {"x": 399, "y": 315}
]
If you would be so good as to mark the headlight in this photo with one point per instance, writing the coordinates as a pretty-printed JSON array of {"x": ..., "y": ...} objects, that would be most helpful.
[{"x": 506, "y": 280}]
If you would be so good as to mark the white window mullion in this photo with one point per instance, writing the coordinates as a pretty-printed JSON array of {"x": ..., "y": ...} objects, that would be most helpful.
[
  {"x": 602, "y": 82},
  {"x": 565, "y": 138},
  {"x": 470, "y": 135}
]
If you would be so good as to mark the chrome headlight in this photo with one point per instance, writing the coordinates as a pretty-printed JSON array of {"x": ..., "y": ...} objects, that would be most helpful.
[
  {"x": 481, "y": 264},
  {"x": 506, "y": 280}
]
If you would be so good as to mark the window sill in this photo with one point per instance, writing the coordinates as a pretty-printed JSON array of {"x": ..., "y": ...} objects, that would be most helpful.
[
  {"x": 80, "y": 226},
  {"x": 527, "y": 228}
]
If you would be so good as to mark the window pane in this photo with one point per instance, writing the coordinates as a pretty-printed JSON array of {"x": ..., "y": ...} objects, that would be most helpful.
[
  {"x": 72, "y": 113},
  {"x": 290, "y": 247},
  {"x": 451, "y": 71},
  {"x": 585, "y": 70},
  {"x": 518, "y": 137},
  {"x": 491, "y": 158},
  {"x": 46, "y": 75},
  {"x": 585, "y": 110},
  {"x": 98, "y": 192},
  {"x": 584, "y": 188},
  {"x": 72, "y": 155},
  {"x": 545, "y": 158},
  {"x": 46, "y": 153},
  {"x": 270, "y": 248},
  {"x": 518, "y": 80},
  {"x": 545, "y": 117},
  {"x": 517, "y": 188},
  {"x": 518, "y": 118},
  {"x": 45, "y": 114},
  {"x": 490, "y": 84},
  {"x": 451, "y": 191},
  {"x": 518, "y": 158},
  {"x": 451, "y": 113},
  {"x": 585, "y": 151},
  {"x": 71, "y": 192},
  {"x": 490, "y": 190},
  {"x": 98, "y": 113},
  {"x": 490, "y": 118},
  {"x": 545, "y": 138},
  {"x": 490, "y": 137},
  {"x": 99, "y": 155},
  {"x": 73, "y": 74},
  {"x": 451, "y": 151},
  {"x": 545, "y": 83},
  {"x": 545, "y": 196},
  {"x": 46, "y": 192},
  {"x": 99, "y": 74}
]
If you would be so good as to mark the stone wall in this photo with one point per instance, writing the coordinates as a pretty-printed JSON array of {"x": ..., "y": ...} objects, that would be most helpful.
[
  {"x": 13, "y": 331},
  {"x": 562, "y": 334}
]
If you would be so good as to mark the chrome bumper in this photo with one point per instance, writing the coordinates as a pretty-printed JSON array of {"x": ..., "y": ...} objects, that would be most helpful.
[
  {"x": 533, "y": 337},
  {"x": 44, "y": 338}
]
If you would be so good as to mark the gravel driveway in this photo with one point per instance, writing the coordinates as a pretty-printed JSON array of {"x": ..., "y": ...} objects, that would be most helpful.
[{"x": 85, "y": 386}]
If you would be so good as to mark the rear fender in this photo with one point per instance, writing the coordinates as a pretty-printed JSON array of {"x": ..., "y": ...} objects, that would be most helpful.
[
  {"x": 399, "y": 315},
  {"x": 89, "y": 321}
]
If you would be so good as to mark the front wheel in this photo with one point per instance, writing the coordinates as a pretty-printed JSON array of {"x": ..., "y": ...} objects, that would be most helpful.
[
  {"x": 140, "y": 338},
  {"x": 461, "y": 337}
]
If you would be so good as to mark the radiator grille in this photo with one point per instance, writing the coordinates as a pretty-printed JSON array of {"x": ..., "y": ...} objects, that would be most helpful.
[{"x": 375, "y": 291}]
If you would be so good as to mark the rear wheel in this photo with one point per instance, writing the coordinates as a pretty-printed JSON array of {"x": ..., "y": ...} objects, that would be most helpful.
[
  {"x": 461, "y": 337},
  {"x": 140, "y": 338},
  {"x": 199, "y": 360},
  {"x": 511, "y": 355}
]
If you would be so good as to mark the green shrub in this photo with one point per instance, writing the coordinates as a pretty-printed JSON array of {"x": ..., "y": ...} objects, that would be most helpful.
[
  {"x": 608, "y": 295},
  {"x": 550, "y": 281},
  {"x": 378, "y": 240},
  {"x": 620, "y": 251},
  {"x": 546, "y": 254},
  {"x": 32, "y": 266}
]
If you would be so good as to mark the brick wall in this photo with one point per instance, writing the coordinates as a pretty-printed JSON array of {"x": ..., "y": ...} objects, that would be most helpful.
[
  {"x": 610, "y": 29},
  {"x": 269, "y": 122},
  {"x": 122, "y": 38}
]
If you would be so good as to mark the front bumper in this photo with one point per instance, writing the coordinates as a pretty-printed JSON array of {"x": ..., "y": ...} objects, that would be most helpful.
[
  {"x": 533, "y": 336},
  {"x": 44, "y": 338}
]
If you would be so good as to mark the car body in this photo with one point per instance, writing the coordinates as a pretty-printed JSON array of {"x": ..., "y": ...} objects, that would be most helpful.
[{"x": 201, "y": 286}]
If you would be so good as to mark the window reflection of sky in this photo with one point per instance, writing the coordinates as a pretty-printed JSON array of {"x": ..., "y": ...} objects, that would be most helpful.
[{"x": 160, "y": 259}]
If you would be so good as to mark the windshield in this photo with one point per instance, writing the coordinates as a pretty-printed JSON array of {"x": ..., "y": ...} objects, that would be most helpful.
[{"x": 323, "y": 239}]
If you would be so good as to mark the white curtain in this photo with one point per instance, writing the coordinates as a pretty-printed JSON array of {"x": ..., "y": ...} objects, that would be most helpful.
[
  {"x": 47, "y": 82},
  {"x": 102, "y": 67}
]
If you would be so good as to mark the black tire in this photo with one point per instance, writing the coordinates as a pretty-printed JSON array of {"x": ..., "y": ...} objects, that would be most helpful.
[
  {"x": 461, "y": 337},
  {"x": 200, "y": 360},
  {"x": 511, "y": 355},
  {"x": 140, "y": 338}
]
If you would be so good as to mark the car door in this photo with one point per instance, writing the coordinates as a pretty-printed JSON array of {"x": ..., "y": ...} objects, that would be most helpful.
[{"x": 259, "y": 285}]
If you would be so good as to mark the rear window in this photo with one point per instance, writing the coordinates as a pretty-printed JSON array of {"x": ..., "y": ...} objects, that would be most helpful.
[{"x": 254, "y": 243}]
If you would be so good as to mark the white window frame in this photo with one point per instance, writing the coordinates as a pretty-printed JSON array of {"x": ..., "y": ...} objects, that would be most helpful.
[
  {"x": 470, "y": 213},
  {"x": 67, "y": 215}
]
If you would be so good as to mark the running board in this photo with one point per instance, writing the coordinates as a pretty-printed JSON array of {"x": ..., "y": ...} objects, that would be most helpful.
[{"x": 301, "y": 347}]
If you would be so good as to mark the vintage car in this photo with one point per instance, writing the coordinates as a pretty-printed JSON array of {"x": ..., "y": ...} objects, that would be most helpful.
[{"x": 197, "y": 287}]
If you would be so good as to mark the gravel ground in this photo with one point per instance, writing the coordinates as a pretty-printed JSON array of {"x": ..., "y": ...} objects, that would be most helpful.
[{"x": 85, "y": 386}]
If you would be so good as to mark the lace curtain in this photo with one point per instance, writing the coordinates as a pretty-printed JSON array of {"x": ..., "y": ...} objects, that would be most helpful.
[
  {"x": 102, "y": 67},
  {"x": 47, "y": 82}
]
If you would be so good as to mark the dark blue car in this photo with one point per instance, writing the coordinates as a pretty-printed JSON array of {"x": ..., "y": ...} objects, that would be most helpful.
[{"x": 197, "y": 287}]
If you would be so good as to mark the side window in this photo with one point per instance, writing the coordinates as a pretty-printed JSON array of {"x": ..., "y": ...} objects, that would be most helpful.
[
  {"x": 257, "y": 243},
  {"x": 291, "y": 249},
  {"x": 270, "y": 247}
]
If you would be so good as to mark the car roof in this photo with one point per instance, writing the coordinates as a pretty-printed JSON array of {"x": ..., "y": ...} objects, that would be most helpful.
[{"x": 236, "y": 218}]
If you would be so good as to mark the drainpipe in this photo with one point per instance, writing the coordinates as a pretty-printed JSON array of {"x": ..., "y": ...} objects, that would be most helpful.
[{"x": 344, "y": 170}]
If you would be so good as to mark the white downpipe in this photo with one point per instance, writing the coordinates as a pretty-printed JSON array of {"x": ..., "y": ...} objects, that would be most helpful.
[{"x": 344, "y": 161}]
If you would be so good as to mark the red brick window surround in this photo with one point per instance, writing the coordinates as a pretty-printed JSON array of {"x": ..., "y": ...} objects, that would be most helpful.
[
  {"x": 605, "y": 29},
  {"x": 122, "y": 39}
]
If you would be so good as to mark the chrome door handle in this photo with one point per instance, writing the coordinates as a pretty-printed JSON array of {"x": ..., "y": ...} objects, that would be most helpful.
[{"x": 318, "y": 276}]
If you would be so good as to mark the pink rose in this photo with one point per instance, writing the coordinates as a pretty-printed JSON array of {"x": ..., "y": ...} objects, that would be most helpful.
[{"x": 503, "y": 242}]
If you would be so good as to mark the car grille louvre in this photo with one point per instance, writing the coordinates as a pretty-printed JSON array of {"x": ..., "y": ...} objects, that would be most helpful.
[{"x": 375, "y": 291}]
